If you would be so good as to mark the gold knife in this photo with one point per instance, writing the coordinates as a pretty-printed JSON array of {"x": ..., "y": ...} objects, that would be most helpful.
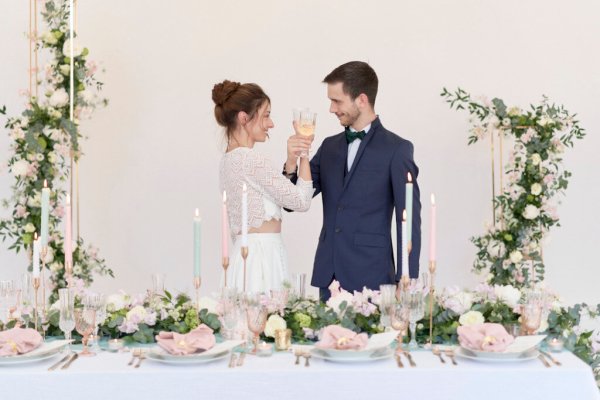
[
  {"x": 68, "y": 364},
  {"x": 62, "y": 360}
]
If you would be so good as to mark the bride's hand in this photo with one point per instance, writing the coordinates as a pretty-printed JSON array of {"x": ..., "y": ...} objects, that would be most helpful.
[{"x": 296, "y": 144}]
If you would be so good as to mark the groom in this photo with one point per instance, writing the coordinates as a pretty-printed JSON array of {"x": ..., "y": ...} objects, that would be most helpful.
[{"x": 361, "y": 174}]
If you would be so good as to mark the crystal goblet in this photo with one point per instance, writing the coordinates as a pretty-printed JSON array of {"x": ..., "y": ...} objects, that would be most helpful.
[{"x": 85, "y": 321}]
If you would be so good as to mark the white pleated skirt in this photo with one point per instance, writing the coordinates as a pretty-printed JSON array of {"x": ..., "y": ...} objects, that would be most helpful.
[{"x": 266, "y": 265}]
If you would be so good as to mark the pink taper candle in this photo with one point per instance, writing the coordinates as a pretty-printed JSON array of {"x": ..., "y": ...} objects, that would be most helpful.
[
  {"x": 432, "y": 230},
  {"x": 225, "y": 228},
  {"x": 67, "y": 247}
]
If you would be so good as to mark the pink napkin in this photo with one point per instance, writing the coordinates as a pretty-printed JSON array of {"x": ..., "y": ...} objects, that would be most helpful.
[
  {"x": 196, "y": 341},
  {"x": 19, "y": 341},
  {"x": 484, "y": 337},
  {"x": 336, "y": 337}
]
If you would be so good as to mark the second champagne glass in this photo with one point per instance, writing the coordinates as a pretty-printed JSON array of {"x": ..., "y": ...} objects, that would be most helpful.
[{"x": 66, "y": 321}]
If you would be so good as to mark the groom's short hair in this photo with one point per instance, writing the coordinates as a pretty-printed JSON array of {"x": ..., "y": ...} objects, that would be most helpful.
[{"x": 357, "y": 77}]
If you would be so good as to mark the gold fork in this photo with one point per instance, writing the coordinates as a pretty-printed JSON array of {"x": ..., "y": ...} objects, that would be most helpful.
[
  {"x": 450, "y": 354},
  {"x": 141, "y": 357},
  {"x": 136, "y": 352}
]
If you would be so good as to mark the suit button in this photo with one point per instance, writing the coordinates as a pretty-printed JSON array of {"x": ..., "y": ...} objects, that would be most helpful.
[
  {"x": 338, "y": 230},
  {"x": 340, "y": 208}
]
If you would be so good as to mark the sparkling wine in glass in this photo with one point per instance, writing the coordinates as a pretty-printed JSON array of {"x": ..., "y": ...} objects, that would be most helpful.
[
  {"x": 306, "y": 122},
  {"x": 96, "y": 302},
  {"x": 85, "y": 321},
  {"x": 399, "y": 317},
  {"x": 416, "y": 306},
  {"x": 386, "y": 300}
]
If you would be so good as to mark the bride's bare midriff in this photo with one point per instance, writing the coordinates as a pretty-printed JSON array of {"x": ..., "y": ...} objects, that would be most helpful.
[{"x": 270, "y": 226}]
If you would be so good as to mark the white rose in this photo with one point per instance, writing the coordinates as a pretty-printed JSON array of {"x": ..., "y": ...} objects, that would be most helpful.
[
  {"x": 545, "y": 120},
  {"x": 516, "y": 257},
  {"x": 209, "y": 304},
  {"x": 67, "y": 48},
  {"x": 531, "y": 212},
  {"x": 536, "y": 189},
  {"x": 29, "y": 228},
  {"x": 136, "y": 313},
  {"x": 115, "y": 302},
  {"x": 49, "y": 255},
  {"x": 49, "y": 38},
  {"x": 536, "y": 159},
  {"x": 55, "y": 267},
  {"x": 77, "y": 270},
  {"x": 39, "y": 157},
  {"x": 59, "y": 98},
  {"x": 335, "y": 302},
  {"x": 35, "y": 200},
  {"x": 86, "y": 95},
  {"x": 471, "y": 318},
  {"x": 52, "y": 157},
  {"x": 508, "y": 294},
  {"x": 496, "y": 249},
  {"x": 20, "y": 168},
  {"x": 64, "y": 69},
  {"x": 533, "y": 246},
  {"x": 493, "y": 121},
  {"x": 274, "y": 323},
  {"x": 460, "y": 302},
  {"x": 506, "y": 122}
]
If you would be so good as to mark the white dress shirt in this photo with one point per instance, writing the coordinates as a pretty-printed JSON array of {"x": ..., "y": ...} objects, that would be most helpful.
[{"x": 353, "y": 147}]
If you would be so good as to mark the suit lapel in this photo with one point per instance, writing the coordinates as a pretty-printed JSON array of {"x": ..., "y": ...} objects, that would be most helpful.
[{"x": 361, "y": 149}]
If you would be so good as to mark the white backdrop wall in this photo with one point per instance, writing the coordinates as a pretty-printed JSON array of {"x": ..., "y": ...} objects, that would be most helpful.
[{"x": 153, "y": 154}]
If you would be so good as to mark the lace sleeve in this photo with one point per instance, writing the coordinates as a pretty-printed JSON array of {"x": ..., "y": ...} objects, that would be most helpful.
[{"x": 264, "y": 178}]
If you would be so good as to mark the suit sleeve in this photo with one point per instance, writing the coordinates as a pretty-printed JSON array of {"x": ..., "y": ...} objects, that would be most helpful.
[{"x": 403, "y": 163}]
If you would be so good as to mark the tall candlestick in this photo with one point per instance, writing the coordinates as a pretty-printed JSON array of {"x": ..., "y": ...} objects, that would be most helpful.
[
  {"x": 432, "y": 230},
  {"x": 36, "y": 257},
  {"x": 68, "y": 245},
  {"x": 409, "y": 208},
  {"x": 45, "y": 213},
  {"x": 71, "y": 62},
  {"x": 404, "y": 246},
  {"x": 245, "y": 216},
  {"x": 224, "y": 228},
  {"x": 197, "y": 230}
]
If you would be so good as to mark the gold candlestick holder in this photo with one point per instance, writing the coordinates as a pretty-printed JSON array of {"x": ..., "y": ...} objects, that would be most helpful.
[
  {"x": 197, "y": 282},
  {"x": 69, "y": 274},
  {"x": 245, "y": 258},
  {"x": 43, "y": 254},
  {"x": 36, "y": 287},
  {"x": 432, "y": 268},
  {"x": 225, "y": 264}
]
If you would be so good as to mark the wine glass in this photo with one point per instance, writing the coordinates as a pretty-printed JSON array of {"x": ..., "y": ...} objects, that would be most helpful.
[
  {"x": 158, "y": 284},
  {"x": 415, "y": 301},
  {"x": 96, "y": 302},
  {"x": 399, "y": 317},
  {"x": 306, "y": 121},
  {"x": 531, "y": 318},
  {"x": 66, "y": 321},
  {"x": 256, "y": 314},
  {"x": 386, "y": 300},
  {"x": 85, "y": 322}
]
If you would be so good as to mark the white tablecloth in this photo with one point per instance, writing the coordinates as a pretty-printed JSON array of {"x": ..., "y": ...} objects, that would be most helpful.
[{"x": 107, "y": 377}]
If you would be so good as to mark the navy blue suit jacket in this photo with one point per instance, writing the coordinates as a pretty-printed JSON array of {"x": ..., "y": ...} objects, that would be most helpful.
[{"x": 355, "y": 243}]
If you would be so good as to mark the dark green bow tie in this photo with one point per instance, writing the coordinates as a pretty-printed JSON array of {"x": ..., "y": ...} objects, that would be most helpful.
[{"x": 352, "y": 136}]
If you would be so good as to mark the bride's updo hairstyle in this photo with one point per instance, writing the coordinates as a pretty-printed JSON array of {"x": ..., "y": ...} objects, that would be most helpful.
[{"x": 232, "y": 97}]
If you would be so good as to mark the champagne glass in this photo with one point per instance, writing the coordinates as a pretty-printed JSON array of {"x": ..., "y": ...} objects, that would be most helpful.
[
  {"x": 386, "y": 300},
  {"x": 306, "y": 121},
  {"x": 85, "y": 321},
  {"x": 416, "y": 305},
  {"x": 256, "y": 314},
  {"x": 66, "y": 321},
  {"x": 158, "y": 284},
  {"x": 399, "y": 317},
  {"x": 96, "y": 302},
  {"x": 531, "y": 318},
  {"x": 7, "y": 293}
]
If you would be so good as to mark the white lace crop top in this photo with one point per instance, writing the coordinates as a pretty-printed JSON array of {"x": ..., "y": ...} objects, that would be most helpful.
[{"x": 268, "y": 189}]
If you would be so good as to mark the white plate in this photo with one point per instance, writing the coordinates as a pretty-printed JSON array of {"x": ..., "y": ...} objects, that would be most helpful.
[
  {"x": 522, "y": 344},
  {"x": 45, "y": 351},
  {"x": 164, "y": 357},
  {"x": 333, "y": 353},
  {"x": 380, "y": 354},
  {"x": 493, "y": 357}
]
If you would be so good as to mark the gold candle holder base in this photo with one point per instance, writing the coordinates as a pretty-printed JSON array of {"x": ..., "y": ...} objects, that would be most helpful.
[
  {"x": 36, "y": 287},
  {"x": 69, "y": 274},
  {"x": 225, "y": 264},
  {"x": 197, "y": 283},
  {"x": 245, "y": 258}
]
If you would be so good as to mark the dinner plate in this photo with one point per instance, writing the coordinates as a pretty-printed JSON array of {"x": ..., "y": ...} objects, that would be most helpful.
[
  {"x": 162, "y": 356},
  {"x": 334, "y": 353},
  {"x": 45, "y": 351},
  {"x": 497, "y": 357},
  {"x": 341, "y": 356}
]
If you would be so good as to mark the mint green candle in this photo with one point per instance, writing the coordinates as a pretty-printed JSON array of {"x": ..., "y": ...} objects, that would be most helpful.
[
  {"x": 45, "y": 215},
  {"x": 197, "y": 230}
]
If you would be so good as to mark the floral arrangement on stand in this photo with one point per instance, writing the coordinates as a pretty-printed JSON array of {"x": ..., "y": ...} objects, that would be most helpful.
[
  {"x": 43, "y": 140},
  {"x": 510, "y": 250}
]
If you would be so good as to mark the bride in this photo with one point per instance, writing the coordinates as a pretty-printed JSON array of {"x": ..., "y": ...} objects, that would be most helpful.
[{"x": 244, "y": 111}]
